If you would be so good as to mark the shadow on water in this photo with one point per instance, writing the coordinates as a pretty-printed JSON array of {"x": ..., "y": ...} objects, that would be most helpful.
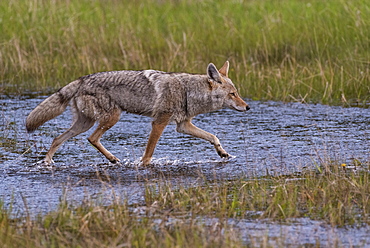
[{"x": 272, "y": 138}]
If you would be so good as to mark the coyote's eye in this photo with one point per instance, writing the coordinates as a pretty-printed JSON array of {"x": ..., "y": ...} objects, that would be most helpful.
[{"x": 233, "y": 94}]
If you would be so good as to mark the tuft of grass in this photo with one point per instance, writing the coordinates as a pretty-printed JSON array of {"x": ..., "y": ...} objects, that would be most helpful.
[
  {"x": 332, "y": 194},
  {"x": 117, "y": 225},
  {"x": 282, "y": 50}
]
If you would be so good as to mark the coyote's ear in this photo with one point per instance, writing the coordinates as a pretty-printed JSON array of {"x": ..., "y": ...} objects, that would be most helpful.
[
  {"x": 213, "y": 73},
  {"x": 225, "y": 69}
]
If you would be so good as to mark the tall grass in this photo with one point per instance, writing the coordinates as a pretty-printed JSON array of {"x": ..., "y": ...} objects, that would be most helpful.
[
  {"x": 283, "y": 50},
  {"x": 331, "y": 194},
  {"x": 197, "y": 216},
  {"x": 99, "y": 226}
]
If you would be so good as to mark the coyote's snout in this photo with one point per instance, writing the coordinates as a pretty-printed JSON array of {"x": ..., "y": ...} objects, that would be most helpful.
[{"x": 166, "y": 97}]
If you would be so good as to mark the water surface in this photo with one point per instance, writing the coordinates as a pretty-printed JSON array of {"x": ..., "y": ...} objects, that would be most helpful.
[{"x": 272, "y": 138}]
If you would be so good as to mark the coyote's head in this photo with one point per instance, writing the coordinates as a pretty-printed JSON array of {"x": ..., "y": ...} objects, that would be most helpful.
[{"x": 223, "y": 89}]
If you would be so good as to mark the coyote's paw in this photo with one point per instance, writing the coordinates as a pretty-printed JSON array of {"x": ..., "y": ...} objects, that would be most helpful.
[
  {"x": 223, "y": 154},
  {"x": 144, "y": 163},
  {"x": 115, "y": 161},
  {"x": 220, "y": 151},
  {"x": 43, "y": 163}
]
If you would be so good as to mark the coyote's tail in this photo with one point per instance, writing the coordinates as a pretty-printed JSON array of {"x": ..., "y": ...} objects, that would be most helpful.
[{"x": 52, "y": 106}]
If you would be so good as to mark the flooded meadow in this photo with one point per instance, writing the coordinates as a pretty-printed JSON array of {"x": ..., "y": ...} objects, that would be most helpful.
[{"x": 272, "y": 139}]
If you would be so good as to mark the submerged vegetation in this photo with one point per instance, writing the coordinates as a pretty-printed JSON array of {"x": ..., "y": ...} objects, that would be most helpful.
[
  {"x": 316, "y": 51},
  {"x": 198, "y": 215}
]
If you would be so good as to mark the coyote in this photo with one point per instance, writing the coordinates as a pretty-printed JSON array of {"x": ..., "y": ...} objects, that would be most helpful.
[{"x": 165, "y": 97}]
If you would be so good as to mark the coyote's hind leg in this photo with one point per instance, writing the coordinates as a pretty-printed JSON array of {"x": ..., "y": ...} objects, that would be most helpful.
[
  {"x": 80, "y": 125},
  {"x": 105, "y": 124}
]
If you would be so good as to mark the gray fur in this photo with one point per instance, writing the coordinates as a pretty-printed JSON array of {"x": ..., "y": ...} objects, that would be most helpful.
[{"x": 178, "y": 96}]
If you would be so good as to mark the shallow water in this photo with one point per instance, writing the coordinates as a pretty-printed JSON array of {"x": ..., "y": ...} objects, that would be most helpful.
[{"x": 273, "y": 137}]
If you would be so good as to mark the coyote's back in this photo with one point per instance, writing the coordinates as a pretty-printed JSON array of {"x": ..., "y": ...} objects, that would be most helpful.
[{"x": 166, "y": 97}]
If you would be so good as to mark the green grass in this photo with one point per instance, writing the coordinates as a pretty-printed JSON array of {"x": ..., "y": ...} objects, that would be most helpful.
[
  {"x": 289, "y": 50},
  {"x": 286, "y": 50},
  {"x": 106, "y": 226},
  {"x": 333, "y": 195},
  {"x": 174, "y": 216}
]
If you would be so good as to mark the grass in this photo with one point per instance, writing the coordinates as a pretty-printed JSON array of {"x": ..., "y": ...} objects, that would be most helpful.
[
  {"x": 175, "y": 216},
  {"x": 110, "y": 226},
  {"x": 289, "y": 50},
  {"x": 333, "y": 195}
]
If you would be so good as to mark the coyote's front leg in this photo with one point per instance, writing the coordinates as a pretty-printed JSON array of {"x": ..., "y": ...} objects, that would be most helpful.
[{"x": 188, "y": 128}]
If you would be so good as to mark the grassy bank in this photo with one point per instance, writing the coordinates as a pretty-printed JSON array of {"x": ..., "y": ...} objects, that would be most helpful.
[
  {"x": 281, "y": 50},
  {"x": 177, "y": 216},
  {"x": 331, "y": 194}
]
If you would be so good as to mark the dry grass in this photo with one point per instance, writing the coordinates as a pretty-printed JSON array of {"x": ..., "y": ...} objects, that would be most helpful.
[
  {"x": 333, "y": 194},
  {"x": 177, "y": 216},
  {"x": 286, "y": 50}
]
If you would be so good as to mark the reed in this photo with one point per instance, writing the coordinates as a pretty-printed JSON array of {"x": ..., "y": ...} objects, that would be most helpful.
[{"x": 281, "y": 50}]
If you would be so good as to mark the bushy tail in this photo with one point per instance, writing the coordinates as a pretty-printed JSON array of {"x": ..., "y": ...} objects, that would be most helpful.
[{"x": 51, "y": 107}]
